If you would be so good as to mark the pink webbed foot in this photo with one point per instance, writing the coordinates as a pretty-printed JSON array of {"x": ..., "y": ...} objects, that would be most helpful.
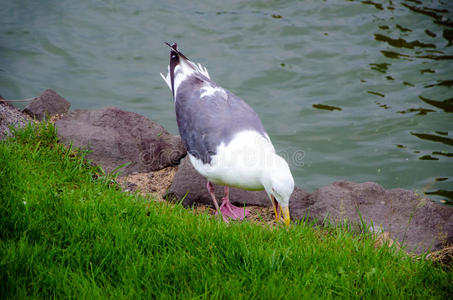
[
  {"x": 227, "y": 209},
  {"x": 230, "y": 211}
]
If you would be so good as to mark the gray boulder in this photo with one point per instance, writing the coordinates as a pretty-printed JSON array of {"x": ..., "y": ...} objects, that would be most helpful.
[
  {"x": 46, "y": 105},
  {"x": 10, "y": 116},
  {"x": 191, "y": 186},
  {"x": 116, "y": 137},
  {"x": 409, "y": 218}
]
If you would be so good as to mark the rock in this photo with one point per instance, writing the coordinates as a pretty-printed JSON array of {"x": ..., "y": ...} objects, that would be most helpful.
[
  {"x": 10, "y": 116},
  {"x": 46, "y": 105},
  {"x": 409, "y": 218},
  {"x": 116, "y": 137},
  {"x": 191, "y": 186}
]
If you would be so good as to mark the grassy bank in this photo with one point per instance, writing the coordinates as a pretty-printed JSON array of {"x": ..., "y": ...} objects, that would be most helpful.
[{"x": 66, "y": 231}]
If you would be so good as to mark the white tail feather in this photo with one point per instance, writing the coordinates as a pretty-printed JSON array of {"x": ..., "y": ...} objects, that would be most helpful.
[
  {"x": 202, "y": 70},
  {"x": 166, "y": 79},
  {"x": 196, "y": 67}
]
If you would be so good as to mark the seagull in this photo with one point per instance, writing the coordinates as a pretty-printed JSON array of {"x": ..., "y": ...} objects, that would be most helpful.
[{"x": 225, "y": 139}]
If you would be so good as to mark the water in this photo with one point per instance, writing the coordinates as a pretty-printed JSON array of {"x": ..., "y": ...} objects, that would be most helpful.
[{"x": 354, "y": 90}]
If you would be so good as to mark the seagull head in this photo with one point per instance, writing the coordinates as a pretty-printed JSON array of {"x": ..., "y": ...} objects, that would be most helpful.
[{"x": 279, "y": 185}]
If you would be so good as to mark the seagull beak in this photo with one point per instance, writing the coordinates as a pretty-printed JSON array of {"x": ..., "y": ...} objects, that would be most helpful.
[
  {"x": 286, "y": 218},
  {"x": 280, "y": 211}
]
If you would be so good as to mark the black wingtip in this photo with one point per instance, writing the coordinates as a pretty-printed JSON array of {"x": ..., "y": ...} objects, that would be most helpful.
[{"x": 173, "y": 46}]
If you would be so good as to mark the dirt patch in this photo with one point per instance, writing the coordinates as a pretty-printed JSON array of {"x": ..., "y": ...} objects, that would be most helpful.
[
  {"x": 384, "y": 239},
  {"x": 258, "y": 215},
  {"x": 155, "y": 183},
  {"x": 56, "y": 117},
  {"x": 261, "y": 215},
  {"x": 443, "y": 257}
]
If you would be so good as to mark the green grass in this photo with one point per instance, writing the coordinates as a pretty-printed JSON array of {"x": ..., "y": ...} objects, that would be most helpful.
[{"x": 68, "y": 232}]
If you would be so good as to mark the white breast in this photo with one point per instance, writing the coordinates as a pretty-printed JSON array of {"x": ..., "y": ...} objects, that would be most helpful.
[{"x": 241, "y": 163}]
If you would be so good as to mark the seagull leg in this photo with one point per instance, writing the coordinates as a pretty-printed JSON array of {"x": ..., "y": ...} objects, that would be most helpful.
[
  {"x": 210, "y": 188},
  {"x": 229, "y": 210}
]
